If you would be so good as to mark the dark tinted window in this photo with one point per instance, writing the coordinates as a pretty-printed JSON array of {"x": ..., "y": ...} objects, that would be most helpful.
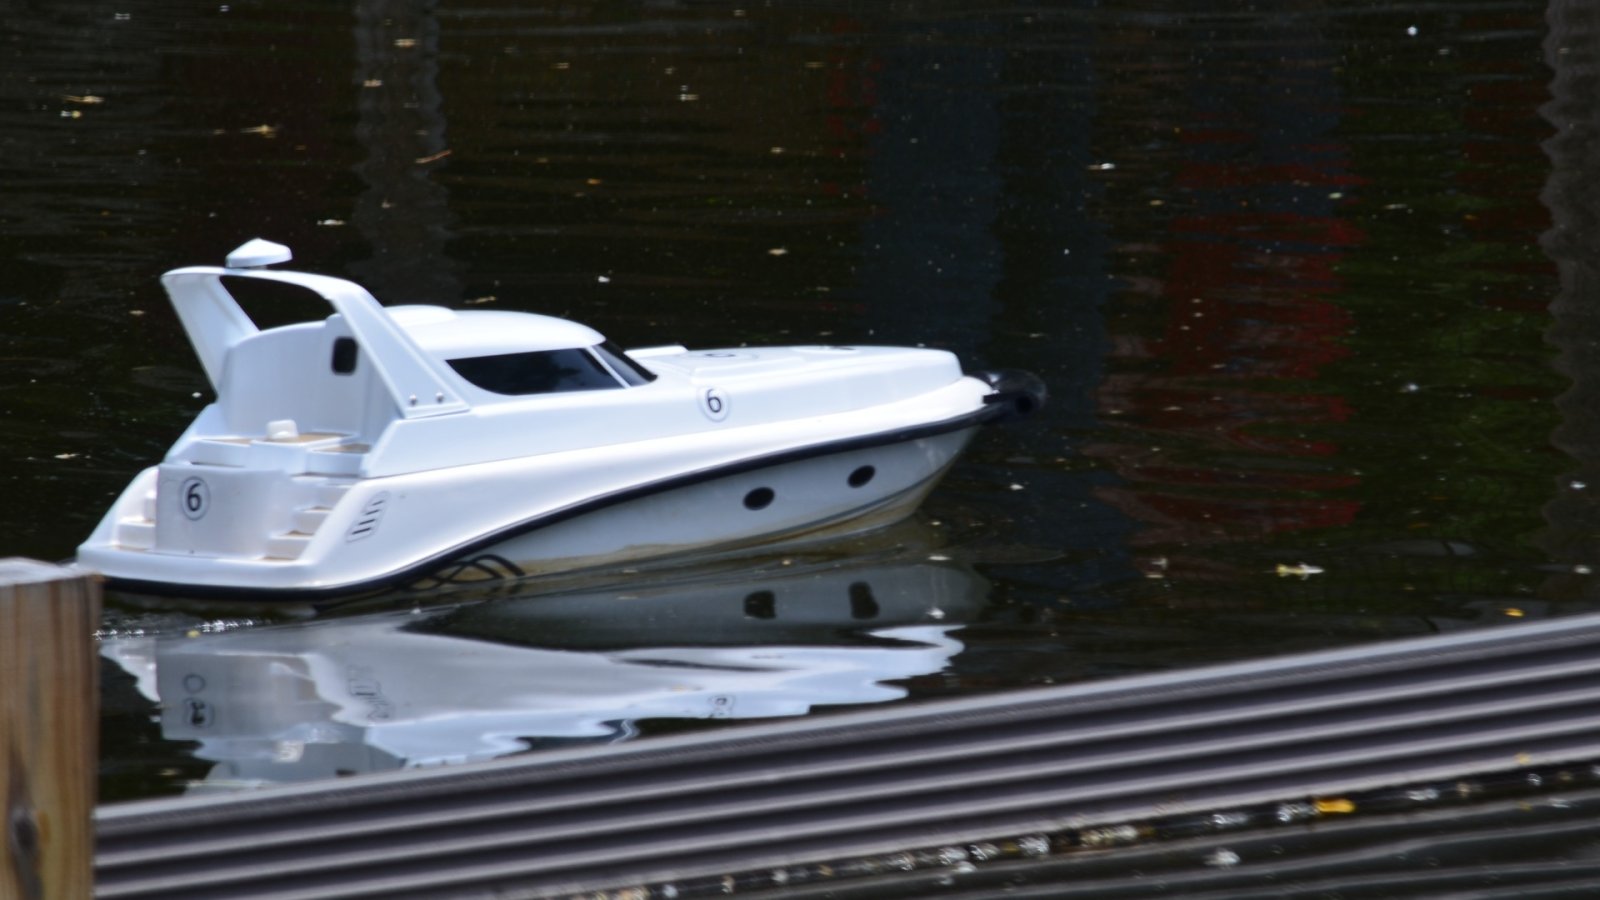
[
  {"x": 344, "y": 355},
  {"x": 540, "y": 372},
  {"x": 631, "y": 372}
]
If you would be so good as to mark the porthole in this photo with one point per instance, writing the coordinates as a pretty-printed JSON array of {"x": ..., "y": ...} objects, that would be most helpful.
[
  {"x": 861, "y": 476},
  {"x": 760, "y": 498},
  {"x": 862, "y": 604},
  {"x": 761, "y": 605}
]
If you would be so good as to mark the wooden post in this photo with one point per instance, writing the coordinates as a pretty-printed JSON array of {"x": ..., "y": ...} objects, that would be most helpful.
[{"x": 49, "y": 727}]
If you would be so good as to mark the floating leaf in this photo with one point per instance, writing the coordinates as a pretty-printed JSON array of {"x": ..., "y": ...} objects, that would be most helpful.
[{"x": 1335, "y": 805}]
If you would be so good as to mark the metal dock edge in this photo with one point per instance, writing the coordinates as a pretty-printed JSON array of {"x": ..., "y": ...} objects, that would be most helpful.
[{"x": 884, "y": 780}]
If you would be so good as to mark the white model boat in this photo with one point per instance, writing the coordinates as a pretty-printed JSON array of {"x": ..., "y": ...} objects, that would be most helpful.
[{"x": 384, "y": 446}]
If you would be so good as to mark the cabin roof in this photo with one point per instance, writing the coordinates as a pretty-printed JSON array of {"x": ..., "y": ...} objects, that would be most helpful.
[{"x": 454, "y": 334}]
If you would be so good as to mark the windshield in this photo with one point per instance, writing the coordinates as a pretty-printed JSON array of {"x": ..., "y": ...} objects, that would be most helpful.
[{"x": 536, "y": 372}]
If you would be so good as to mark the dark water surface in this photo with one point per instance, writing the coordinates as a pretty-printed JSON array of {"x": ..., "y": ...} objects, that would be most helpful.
[{"x": 1313, "y": 289}]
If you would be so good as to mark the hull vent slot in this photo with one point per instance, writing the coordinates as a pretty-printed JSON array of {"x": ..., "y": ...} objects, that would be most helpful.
[{"x": 367, "y": 522}]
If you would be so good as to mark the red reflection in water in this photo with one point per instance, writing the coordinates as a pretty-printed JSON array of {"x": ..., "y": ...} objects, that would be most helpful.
[
  {"x": 850, "y": 95},
  {"x": 1224, "y": 443}
]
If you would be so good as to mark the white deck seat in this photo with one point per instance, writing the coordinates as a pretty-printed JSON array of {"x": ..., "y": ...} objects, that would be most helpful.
[{"x": 289, "y": 378}]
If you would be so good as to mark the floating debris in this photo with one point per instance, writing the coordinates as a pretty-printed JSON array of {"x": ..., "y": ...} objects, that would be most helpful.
[
  {"x": 1335, "y": 806},
  {"x": 1034, "y": 845},
  {"x": 1295, "y": 812},
  {"x": 983, "y": 852},
  {"x": 1109, "y": 836},
  {"x": 1230, "y": 819}
]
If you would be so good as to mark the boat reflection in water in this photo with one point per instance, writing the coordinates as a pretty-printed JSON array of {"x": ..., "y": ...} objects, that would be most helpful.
[{"x": 469, "y": 682}]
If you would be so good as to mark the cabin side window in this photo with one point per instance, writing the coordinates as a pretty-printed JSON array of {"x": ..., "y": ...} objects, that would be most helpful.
[
  {"x": 345, "y": 354},
  {"x": 536, "y": 372}
]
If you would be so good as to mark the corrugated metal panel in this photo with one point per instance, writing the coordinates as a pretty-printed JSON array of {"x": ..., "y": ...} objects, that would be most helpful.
[
  {"x": 1533, "y": 845},
  {"x": 675, "y": 809}
]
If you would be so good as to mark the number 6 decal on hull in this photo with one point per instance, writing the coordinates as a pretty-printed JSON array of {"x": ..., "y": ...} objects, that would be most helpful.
[
  {"x": 194, "y": 497},
  {"x": 714, "y": 403}
]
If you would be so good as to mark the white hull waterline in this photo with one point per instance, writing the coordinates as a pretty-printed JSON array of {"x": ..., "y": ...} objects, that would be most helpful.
[{"x": 388, "y": 446}]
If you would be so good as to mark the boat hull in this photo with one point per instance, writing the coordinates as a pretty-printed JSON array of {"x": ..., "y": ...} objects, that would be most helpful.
[
  {"x": 810, "y": 498},
  {"x": 816, "y": 492}
]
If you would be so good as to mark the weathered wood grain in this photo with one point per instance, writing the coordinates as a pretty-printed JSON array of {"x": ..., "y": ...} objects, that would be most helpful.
[{"x": 48, "y": 730}]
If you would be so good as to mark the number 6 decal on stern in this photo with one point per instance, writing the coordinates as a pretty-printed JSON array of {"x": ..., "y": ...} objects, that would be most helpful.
[
  {"x": 714, "y": 403},
  {"x": 194, "y": 497}
]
